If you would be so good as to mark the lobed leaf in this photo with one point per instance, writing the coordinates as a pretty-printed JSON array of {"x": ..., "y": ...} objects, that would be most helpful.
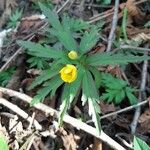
[
  {"x": 65, "y": 103},
  {"x": 140, "y": 144},
  {"x": 89, "y": 92},
  {"x": 38, "y": 50},
  {"x": 46, "y": 74},
  {"x": 75, "y": 24},
  {"x": 97, "y": 76},
  {"x": 113, "y": 59},
  {"x": 88, "y": 40},
  {"x": 52, "y": 17},
  {"x": 3, "y": 143},
  {"x": 49, "y": 86}
]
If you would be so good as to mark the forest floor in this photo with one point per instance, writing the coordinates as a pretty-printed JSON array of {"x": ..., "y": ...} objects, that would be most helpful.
[{"x": 26, "y": 127}]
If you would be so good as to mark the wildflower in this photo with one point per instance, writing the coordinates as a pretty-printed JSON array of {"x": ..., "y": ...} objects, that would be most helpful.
[
  {"x": 72, "y": 55},
  {"x": 68, "y": 73}
]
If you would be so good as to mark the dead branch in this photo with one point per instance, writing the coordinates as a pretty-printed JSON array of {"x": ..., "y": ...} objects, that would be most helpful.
[
  {"x": 68, "y": 119},
  {"x": 20, "y": 112}
]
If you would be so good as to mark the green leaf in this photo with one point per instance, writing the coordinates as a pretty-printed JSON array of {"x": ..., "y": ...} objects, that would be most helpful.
[
  {"x": 89, "y": 40},
  {"x": 113, "y": 59},
  {"x": 124, "y": 22},
  {"x": 97, "y": 76},
  {"x": 89, "y": 92},
  {"x": 37, "y": 62},
  {"x": 131, "y": 97},
  {"x": 94, "y": 112},
  {"x": 41, "y": 94},
  {"x": 52, "y": 17},
  {"x": 75, "y": 86},
  {"x": 55, "y": 83},
  {"x": 140, "y": 144},
  {"x": 65, "y": 103},
  {"x": 119, "y": 96},
  {"x": 49, "y": 86},
  {"x": 75, "y": 24},
  {"x": 147, "y": 25},
  {"x": 67, "y": 40},
  {"x": 3, "y": 143},
  {"x": 38, "y": 50},
  {"x": 105, "y": 2},
  {"x": 5, "y": 76},
  {"x": 116, "y": 90},
  {"x": 46, "y": 74},
  {"x": 14, "y": 18}
]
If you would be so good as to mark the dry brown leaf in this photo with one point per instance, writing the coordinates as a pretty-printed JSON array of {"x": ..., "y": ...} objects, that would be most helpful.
[
  {"x": 97, "y": 145},
  {"x": 142, "y": 37},
  {"x": 132, "y": 8},
  {"x": 145, "y": 116},
  {"x": 31, "y": 23},
  {"x": 106, "y": 108},
  {"x": 69, "y": 140},
  {"x": 144, "y": 121},
  {"x": 114, "y": 70},
  {"x": 135, "y": 13}
]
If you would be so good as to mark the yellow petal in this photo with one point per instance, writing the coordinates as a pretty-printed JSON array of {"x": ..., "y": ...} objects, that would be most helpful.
[{"x": 68, "y": 73}]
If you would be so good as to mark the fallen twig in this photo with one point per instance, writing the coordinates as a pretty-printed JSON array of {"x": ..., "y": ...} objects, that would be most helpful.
[
  {"x": 132, "y": 48},
  {"x": 142, "y": 91},
  {"x": 114, "y": 25},
  {"x": 60, "y": 9},
  {"x": 125, "y": 109},
  {"x": 20, "y": 112},
  {"x": 68, "y": 119}
]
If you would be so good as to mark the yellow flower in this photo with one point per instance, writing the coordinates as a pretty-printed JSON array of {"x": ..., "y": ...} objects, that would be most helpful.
[
  {"x": 68, "y": 73},
  {"x": 73, "y": 55}
]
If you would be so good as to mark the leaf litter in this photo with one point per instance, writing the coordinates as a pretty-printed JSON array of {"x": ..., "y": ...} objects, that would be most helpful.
[{"x": 15, "y": 130}]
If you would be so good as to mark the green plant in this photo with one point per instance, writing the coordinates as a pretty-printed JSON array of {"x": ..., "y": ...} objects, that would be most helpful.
[
  {"x": 39, "y": 63},
  {"x": 3, "y": 143},
  {"x": 73, "y": 67},
  {"x": 5, "y": 76},
  {"x": 105, "y": 2},
  {"x": 35, "y": 5},
  {"x": 116, "y": 90},
  {"x": 123, "y": 26},
  {"x": 147, "y": 25},
  {"x": 14, "y": 18},
  {"x": 140, "y": 144}
]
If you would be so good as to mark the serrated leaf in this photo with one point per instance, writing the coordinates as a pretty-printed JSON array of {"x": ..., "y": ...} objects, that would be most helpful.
[
  {"x": 55, "y": 83},
  {"x": 77, "y": 24},
  {"x": 41, "y": 94},
  {"x": 52, "y": 17},
  {"x": 94, "y": 112},
  {"x": 46, "y": 74},
  {"x": 38, "y": 50},
  {"x": 97, "y": 76},
  {"x": 67, "y": 40},
  {"x": 85, "y": 90},
  {"x": 140, "y": 144},
  {"x": 65, "y": 103},
  {"x": 89, "y": 92},
  {"x": 88, "y": 40},
  {"x": 113, "y": 59},
  {"x": 48, "y": 87},
  {"x": 75, "y": 86},
  {"x": 119, "y": 96},
  {"x": 3, "y": 143},
  {"x": 131, "y": 97}
]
